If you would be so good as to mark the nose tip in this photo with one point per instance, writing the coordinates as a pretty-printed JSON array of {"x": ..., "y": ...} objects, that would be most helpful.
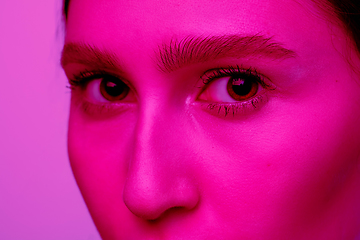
[{"x": 149, "y": 196}]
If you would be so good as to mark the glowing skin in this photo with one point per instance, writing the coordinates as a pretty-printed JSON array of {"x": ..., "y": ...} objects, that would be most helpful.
[{"x": 164, "y": 162}]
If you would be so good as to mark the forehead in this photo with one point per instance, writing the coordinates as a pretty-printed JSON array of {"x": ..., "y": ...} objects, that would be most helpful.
[{"x": 140, "y": 21}]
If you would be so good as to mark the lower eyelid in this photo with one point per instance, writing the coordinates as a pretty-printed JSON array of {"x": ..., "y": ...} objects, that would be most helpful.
[
  {"x": 236, "y": 109},
  {"x": 105, "y": 110}
]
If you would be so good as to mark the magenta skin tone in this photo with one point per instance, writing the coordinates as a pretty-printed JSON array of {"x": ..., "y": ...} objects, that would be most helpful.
[{"x": 167, "y": 162}]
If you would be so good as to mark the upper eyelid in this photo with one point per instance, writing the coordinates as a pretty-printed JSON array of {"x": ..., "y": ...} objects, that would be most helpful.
[
  {"x": 85, "y": 76},
  {"x": 88, "y": 75},
  {"x": 212, "y": 74}
]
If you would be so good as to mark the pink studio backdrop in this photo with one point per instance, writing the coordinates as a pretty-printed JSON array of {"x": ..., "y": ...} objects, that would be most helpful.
[{"x": 39, "y": 198}]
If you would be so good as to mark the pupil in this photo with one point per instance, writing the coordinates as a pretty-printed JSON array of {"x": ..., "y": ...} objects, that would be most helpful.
[
  {"x": 114, "y": 88},
  {"x": 241, "y": 87}
]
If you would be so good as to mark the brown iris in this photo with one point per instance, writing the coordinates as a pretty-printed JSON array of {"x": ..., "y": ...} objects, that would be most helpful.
[
  {"x": 113, "y": 89},
  {"x": 242, "y": 88}
]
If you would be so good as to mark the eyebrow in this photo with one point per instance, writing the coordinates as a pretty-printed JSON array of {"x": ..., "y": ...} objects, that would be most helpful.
[
  {"x": 202, "y": 49},
  {"x": 88, "y": 55},
  {"x": 190, "y": 50}
]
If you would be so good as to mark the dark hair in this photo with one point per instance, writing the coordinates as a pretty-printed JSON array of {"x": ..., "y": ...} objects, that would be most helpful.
[
  {"x": 348, "y": 11},
  {"x": 65, "y": 8}
]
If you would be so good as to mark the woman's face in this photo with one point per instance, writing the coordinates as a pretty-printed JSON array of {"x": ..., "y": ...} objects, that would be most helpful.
[{"x": 213, "y": 119}]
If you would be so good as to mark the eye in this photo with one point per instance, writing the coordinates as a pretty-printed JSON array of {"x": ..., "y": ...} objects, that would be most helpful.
[
  {"x": 113, "y": 89},
  {"x": 101, "y": 87},
  {"x": 242, "y": 89},
  {"x": 233, "y": 88},
  {"x": 106, "y": 89}
]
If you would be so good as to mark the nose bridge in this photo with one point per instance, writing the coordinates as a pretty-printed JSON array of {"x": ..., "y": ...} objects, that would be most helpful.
[
  {"x": 157, "y": 180},
  {"x": 154, "y": 137}
]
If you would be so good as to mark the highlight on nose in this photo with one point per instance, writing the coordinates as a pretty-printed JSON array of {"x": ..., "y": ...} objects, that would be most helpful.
[{"x": 149, "y": 196}]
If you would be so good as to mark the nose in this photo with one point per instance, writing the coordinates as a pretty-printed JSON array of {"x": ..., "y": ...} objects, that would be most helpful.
[{"x": 159, "y": 175}]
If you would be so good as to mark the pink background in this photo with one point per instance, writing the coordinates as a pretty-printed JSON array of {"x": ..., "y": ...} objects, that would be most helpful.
[{"x": 39, "y": 198}]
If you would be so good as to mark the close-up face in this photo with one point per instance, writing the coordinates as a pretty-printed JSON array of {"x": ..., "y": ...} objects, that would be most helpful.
[{"x": 214, "y": 119}]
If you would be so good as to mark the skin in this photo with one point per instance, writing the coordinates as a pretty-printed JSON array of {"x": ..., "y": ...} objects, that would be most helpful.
[{"x": 159, "y": 164}]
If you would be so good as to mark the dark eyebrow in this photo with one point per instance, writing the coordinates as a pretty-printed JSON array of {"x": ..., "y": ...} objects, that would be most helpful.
[
  {"x": 177, "y": 54},
  {"x": 88, "y": 55},
  {"x": 202, "y": 49}
]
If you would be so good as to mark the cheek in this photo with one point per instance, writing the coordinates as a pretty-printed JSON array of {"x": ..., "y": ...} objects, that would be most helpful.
[
  {"x": 99, "y": 156},
  {"x": 286, "y": 167}
]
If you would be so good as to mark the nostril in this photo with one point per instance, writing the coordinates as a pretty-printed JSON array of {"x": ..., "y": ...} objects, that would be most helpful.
[
  {"x": 174, "y": 211},
  {"x": 153, "y": 201},
  {"x": 143, "y": 207}
]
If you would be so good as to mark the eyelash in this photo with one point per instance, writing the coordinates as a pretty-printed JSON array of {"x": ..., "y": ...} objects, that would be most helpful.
[
  {"x": 83, "y": 78},
  {"x": 236, "y": 107},
  {"x": 231, "y": 71}
]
